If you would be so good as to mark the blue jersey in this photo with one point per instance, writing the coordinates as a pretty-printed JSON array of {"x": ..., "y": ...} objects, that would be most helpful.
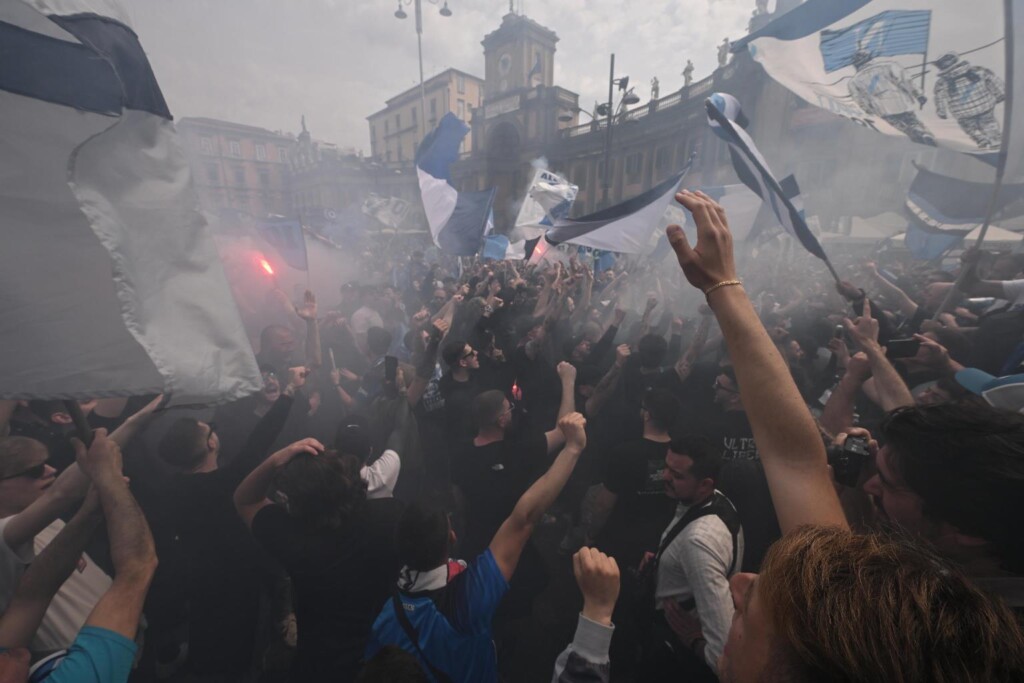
[
  {"x": 98, "y": 655},
  {"x": 454, "y": 624}
]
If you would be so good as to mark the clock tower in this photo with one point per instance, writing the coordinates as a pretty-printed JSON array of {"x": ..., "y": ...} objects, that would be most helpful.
[{"x": 519, "y": 55}]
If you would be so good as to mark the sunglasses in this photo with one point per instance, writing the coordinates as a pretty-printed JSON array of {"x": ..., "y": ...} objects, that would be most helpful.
[
  {"x": 36, "y": 472},
  {"x": 470, "y": 354}
]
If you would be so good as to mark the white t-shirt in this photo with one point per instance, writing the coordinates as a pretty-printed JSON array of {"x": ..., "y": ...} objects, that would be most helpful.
[
  {"x": 72, "y": 603},
  {"x": 1013, "y": 291},
  {"x": 382, "y": 475}
]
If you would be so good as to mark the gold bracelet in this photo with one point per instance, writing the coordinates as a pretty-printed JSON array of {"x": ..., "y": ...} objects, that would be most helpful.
[{"x": 724, "y": 283}]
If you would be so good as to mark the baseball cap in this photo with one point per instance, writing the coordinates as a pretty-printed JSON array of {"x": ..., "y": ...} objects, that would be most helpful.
[
  {"x": 19, "y": 454},
  {"x": 1006, "y": 393}
]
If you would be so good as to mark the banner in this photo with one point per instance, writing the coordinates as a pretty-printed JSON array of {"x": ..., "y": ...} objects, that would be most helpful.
[
  {"x": 549, "y": 197},
  {"x": 933, "y": 71},
  {"x": 111, "y": 280}
]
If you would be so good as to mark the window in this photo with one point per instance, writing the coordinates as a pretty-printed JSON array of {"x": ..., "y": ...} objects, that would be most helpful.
[
  {"x": 373, "y": 133},
  {"x": 433, "y": 107},
  {"x": 398, "y": 122},
  {"x": 264, "y": 177},
  {"x": 634, "y": 164},
  {"x": 205, "y": 145},
  {"x": 282, "y": 154},
  {"x": 600, "y": 172},
  {"x": 413, "y": 111},
  {"x": 579, "y": 175},
  {"x": 460, "y": 83},
  {"x": 261, "y": 153},
  {"x": 239, "y": 175},
  {"x": 661, "y": 157},
  {"x": 234, "y": 148},
  {"x": 212, "y": 174},
  {"x": 462, "y": 109}
]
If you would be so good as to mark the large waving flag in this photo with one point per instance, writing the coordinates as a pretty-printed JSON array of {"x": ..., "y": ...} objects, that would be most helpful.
[
  {"x": 626, "y": 228},
  {"x": 549, "y": 197},
  {"x": 457, "y": 219},
  {"x": 726, "y": 120},
  {"x": 944, "y": 210},
  {"x": 111, "y": 281},
  {"x": 935, "y": 71}
]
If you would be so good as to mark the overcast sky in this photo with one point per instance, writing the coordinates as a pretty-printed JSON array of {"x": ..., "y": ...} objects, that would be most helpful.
[{"x": 267, "y": 62}]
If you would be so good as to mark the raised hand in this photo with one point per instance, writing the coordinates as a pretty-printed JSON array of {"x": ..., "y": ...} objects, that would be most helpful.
[
  {"x": 864, "y": 328},
  {"x": 307, "y": 311},
  {"x": 710, "y": 261},
  {"x": 567, "y": 372},
  {"x": 597, "y": 575},
  {"x": 101, "y": 459},
  {"x": 622, "y": 353},
  {"x": 573, "y": 426}
]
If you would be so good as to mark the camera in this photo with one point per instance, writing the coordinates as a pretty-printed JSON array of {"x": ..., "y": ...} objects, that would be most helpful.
[{"x": 848, "y": 460}]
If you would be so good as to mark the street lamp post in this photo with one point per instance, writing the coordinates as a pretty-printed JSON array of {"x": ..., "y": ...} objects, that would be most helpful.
[
  {"x": 400, "y": 14},
  {"x": 629, "y": 97}
]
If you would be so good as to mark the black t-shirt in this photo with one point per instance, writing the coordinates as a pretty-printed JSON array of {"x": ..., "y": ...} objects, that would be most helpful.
[
  {"x": 341, "y": 581},
  {"x": 458, "y": 406},
  {"x": 492, "y": 479},
  {"x": 642, "y": 510},
  {"x": 742, "y": 479}
]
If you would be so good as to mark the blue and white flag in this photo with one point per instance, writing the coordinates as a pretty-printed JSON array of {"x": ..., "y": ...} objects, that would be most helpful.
[
  {"x": 457, "y": 219},
  {"x": 627, "y": 227},
  {"x": 724, "y": 117},
  {"x": 286, "y": 237},
  {"x": 112, "y": 284},
  {"x": 944, "y": 210},
  {"x": 934, "y": 71},
  {"x": 549, "y": 197}
]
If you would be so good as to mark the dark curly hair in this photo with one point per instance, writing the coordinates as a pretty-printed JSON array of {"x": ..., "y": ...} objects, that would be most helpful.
[{"x": 325, "y": 491}]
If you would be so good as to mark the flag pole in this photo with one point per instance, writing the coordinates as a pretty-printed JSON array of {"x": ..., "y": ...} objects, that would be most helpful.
[
  {"x": 1001, "y": 163},
  {"x": 78, "y": 419}
]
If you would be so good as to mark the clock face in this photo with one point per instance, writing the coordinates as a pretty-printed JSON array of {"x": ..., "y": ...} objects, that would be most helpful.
[{"x": 504, "y": 64}]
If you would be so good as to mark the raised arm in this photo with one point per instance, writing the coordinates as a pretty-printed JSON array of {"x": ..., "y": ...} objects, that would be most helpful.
[
  {"x": 137, "y": 422},
  {"x": 426, "y": 364},
  {"x": 47, "y": 573},
  {"x": 685, "y": 363},
  {"x": 508, "y": 543},
  {"x": 905, "y": 303},
  {"x": 608, "y": 383},
  {"x": 837, "y": 415},
  {"x": 253, "y": 493},
  {"x": 892, "y": 390},
  {"x": 790, "y": 446},
  {"x": 307, "y": 311},
  {"x": 132, "y": 551}
]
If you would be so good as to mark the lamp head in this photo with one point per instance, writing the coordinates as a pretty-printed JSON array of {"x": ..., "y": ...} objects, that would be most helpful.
[{"x": 445, "y": 12}]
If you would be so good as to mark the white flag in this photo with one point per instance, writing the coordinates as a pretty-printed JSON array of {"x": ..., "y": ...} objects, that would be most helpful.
[{"x": 111, "y": 281}]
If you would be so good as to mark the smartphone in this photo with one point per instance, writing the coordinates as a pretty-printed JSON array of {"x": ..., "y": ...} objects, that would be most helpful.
[
  {"x": 390, "y": 368},
  {"x": 839, "y": 331},
  {"x": 902, "y": 348}
]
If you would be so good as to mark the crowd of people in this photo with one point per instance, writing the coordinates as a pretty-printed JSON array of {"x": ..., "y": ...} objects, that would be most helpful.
[{"x": 751, "y": 476}]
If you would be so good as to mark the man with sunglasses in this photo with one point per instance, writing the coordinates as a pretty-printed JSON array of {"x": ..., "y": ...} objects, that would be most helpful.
[
  {"x": 32, "y": 500},
  {"x": 459, "y": 387}
]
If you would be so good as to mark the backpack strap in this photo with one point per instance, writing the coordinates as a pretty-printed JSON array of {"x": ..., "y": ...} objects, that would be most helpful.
[
  {"x": 718, "y": 505},
  {"x": 414, "y": 637}
]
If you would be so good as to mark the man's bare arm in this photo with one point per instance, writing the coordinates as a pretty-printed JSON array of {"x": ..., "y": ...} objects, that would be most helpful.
[{"x": 787, "y": 438}]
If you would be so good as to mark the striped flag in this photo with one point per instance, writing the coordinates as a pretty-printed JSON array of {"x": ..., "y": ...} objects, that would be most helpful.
[
  {"x": 726, "y": 120},
  {"x": 458, "y": 220}
]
